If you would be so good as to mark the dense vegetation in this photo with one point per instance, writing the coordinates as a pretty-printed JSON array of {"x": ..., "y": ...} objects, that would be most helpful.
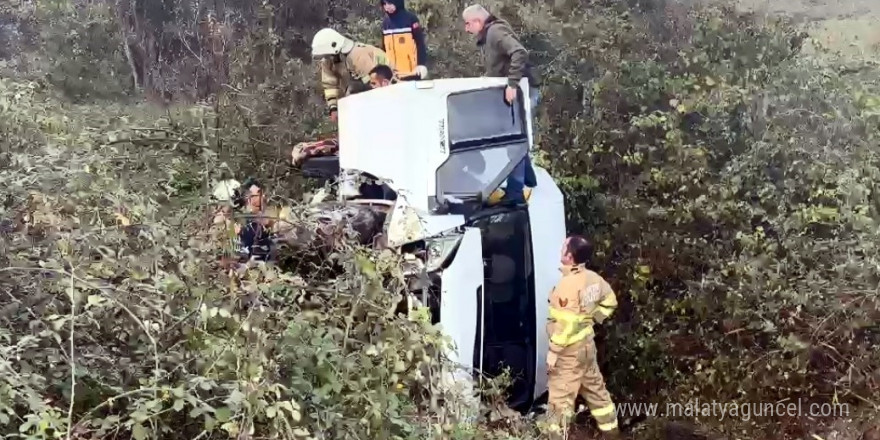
[{"x": 729, "y": 180}]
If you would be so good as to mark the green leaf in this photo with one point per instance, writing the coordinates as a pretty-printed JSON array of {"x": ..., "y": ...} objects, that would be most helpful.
[
  {"x": 270, "y": 412},
  {"x": 178, "y": 405},
  {"x": 138, "y": 432},
  {"x": 210, "y": 422},
  {"x": 223, "y": 414}
]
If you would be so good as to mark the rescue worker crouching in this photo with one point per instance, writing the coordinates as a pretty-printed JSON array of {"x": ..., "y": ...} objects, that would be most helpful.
[
  {"x": 254, "y": 237},
  {"x": 581, "y": 298},
  {"x": 345, "y": 65},
  {"x": 403, "y": 39}
]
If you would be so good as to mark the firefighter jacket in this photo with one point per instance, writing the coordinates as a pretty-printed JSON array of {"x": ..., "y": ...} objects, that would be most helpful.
[
  {"x": 403, "y": 39},
  {"x": 581, "y": 298},
  {"x": 343, "y": 73}
]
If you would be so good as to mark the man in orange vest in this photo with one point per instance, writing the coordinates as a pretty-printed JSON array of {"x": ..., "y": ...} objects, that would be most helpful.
[
  {"x": 581, "y": 298},
  {"x": 403, "y": 39}
]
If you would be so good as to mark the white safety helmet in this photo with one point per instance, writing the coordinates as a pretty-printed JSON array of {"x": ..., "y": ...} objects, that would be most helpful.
[
  {"x": 225, "y": 190},
  {"x": 329, "y": 42}
]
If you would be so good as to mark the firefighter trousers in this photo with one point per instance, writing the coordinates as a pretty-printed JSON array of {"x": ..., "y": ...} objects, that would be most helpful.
[{"x": 577, "y": 372}]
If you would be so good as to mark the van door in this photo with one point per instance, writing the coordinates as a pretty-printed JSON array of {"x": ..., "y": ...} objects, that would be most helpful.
[{"x": 461, "y": 316}]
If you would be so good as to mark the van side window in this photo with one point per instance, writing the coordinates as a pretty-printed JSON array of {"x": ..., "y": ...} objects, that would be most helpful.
[
  {"x": 482, "y": 116},
  {"x": 487, "y": 138}
]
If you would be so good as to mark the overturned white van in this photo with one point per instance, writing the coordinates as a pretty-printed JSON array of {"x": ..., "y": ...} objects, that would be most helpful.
[{"x": 442, "y": 147}]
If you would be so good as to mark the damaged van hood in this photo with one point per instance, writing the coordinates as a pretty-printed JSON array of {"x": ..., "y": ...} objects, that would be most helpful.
[{"x": 406, "y": 224}]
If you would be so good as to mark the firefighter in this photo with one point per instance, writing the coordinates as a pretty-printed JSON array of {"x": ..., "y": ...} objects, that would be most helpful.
[
  {"x": 581, "y": 298},
  {"x": 345, "y": 65},
  {"x": 403, "y": 39}
]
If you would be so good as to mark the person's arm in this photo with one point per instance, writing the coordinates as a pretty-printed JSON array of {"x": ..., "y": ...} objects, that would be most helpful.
[
  {"x": 519, "y": 56},
  {"x": 607, "y": 303},
  {"x": 364, "y": 60},
  {"x": 382, "y": 28},
  {"x": 418, "y": 33},
  {"x": 330, "y": 83}
]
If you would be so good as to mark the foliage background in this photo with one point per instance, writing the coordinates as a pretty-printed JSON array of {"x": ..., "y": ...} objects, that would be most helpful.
[{"x": 725, "y": 165}]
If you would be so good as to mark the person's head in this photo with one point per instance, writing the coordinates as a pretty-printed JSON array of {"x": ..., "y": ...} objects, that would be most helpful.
[
  {"x": 391, "y": 6},
  {"x": 475, "y": 17},
  {"x": 576, "y": 250},
  {"x": 327, "y": 42},
  {"x": 381, "y": 76},
  {"x": 252, "y": 196}
]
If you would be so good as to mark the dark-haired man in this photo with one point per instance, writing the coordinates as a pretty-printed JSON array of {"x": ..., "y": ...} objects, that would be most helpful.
[
  {"x": 382, "y": 76},
  {"x": 581, "y": 298}
]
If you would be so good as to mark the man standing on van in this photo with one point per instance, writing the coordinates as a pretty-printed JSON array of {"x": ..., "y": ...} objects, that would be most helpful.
[
  {"x": 505, "y": 56},
  {"x": 581, "y": 298}
]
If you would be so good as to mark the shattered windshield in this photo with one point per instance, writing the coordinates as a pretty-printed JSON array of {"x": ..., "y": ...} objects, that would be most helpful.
[{"x": 478, "y": 170}]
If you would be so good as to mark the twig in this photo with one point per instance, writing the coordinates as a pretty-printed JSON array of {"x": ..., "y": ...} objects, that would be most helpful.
[
  {"x": 115, "y": 301},
  {"x": 72, "y": 358},
  {"x": 875, "y": 405},
  {"x": 116, "y": 397}
]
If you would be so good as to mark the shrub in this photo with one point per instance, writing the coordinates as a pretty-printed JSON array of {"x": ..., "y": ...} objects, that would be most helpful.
[{"x": 727, "y": 178}]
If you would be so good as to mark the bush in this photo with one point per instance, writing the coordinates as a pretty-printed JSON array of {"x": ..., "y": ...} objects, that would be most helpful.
[
  {"x": 727, "y": 179},
  {"x": 117, "y": 317}
]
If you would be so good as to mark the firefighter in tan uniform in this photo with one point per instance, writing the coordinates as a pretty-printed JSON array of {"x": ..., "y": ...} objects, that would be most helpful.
[
  {"x": 581, "y": 298},
  {"x": 345, "y": 65}
]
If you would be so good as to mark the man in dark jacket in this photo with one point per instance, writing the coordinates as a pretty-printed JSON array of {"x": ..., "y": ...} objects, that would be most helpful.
[
  {"x": 505, "y": 56},
  {"x": 403, "y": 39}
]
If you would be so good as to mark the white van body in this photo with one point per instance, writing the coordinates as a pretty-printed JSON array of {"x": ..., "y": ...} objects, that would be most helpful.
[{"x": 443, "y": 146}]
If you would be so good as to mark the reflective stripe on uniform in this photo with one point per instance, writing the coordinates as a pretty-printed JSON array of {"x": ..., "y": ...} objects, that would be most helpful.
[
  {"x": 396, "y": 31},
  {"x": 608, "y": 426},
  {"x": 605, "y": 308},
  {"x": 607, "y": 311},
  {"x": 605, "y": 417},
  {"x": 576, "y": 327},
  {"x": 604, "y": 411}
]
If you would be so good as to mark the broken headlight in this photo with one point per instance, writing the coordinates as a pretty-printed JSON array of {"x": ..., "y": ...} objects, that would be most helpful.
[{"x": 439, "y": 250}]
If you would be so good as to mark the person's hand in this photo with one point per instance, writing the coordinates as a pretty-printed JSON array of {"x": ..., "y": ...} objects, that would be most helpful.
[
  {"x": 551, "y": 361},
  {"x": 510, "y": 94},
  {"x": 333, "y": 116},
  {"x": 422, "y": 71}
]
